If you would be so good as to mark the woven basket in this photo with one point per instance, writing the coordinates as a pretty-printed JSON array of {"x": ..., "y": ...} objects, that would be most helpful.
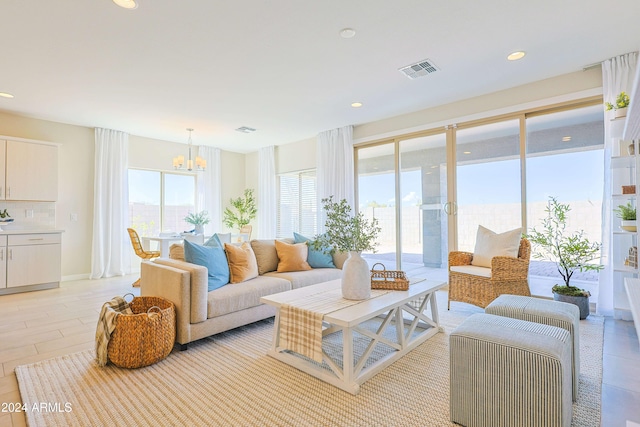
[
  {"x": 145, "y": 337},
  {"x": 388, "y": 279},
  {"x": 628, "y": 189}
]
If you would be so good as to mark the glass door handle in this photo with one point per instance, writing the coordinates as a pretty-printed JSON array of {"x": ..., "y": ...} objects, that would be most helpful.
[{"x": 450, "y": 208}]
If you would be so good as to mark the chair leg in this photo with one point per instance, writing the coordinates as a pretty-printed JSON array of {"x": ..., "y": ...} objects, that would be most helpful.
[
  {"x": 183, "y": 347},
  {"x": 136, "y": 284}
]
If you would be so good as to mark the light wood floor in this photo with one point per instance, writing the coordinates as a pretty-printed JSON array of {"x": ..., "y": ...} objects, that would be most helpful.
[{"x": 43, "y": 324}]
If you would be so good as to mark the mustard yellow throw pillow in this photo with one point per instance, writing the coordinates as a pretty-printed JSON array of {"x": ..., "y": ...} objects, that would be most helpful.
[
  {"x": 242, "y": 262},
  {"x": 292, "y": 257}
]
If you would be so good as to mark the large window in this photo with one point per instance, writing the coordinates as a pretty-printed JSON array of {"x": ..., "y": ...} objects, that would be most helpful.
[
  {"x": 297, "y": 208},
  {"x": 159, "y": 201}
]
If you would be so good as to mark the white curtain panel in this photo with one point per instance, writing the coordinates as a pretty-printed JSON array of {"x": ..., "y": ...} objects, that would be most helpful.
[
  {"x": 617, "y": 76},
  {"x": 210, "y": 189},
  {"x": 111, "y": 243},
  {"x": 335, "y": 171},
  {"x": 267, "y": 193}
]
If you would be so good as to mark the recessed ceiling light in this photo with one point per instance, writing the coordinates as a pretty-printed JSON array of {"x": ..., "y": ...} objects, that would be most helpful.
[
  {"x": 514, "y": 56},
  {"x": 434, "y": 166},
  {"x": 347, "y": 33},
  {"x": 126, "y": 4},
  {"x": 466, "y": 152},
  {"x": 356, "y": 104},
  {"x": 6, "y": 95},
  {"x": 566, "y": 138}
]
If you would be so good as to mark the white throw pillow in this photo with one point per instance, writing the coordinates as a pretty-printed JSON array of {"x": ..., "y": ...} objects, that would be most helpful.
[{"x": 490, "y": 244}]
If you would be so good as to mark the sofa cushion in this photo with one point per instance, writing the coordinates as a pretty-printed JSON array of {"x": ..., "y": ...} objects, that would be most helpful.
[
  {"x": 266, "y": 254},
  {"x": 317, "y": 258},
  {"x": 229, "y": 299},
  {"x": 490, "y": 244},
  {"x": 242, "y": 262},
  {"x": 473, "y": 270},
  {"x": 292, "y": 257},
  {"x": 300, "y": 279},
  {"x": 212, "y": 257},
  {"x": 176, "y": 251}
]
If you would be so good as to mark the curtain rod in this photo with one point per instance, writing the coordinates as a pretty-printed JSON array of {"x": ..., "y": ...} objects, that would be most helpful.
[{"x": 598, "y": 64}]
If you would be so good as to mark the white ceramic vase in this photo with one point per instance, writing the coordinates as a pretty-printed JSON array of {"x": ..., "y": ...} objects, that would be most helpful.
[
  {"x": 199, "y": 228},
  {"x": 356, "y": 277},
  {"x": 620, "y": 112}
]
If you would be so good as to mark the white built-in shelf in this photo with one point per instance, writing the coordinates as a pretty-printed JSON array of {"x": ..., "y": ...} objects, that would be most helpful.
[
  {"x": 623, "y": 162},
  {"x": 624, "y": 232},
  {"x": 625, "y": 269},
  {"x": 632, "y": 123}
]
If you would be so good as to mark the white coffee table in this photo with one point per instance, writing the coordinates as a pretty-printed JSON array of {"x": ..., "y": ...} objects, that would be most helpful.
[{"x": 395, "y": 310}]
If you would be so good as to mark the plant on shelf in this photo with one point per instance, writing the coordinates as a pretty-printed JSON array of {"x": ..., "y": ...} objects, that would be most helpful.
[
  {"x": 350, "y": 233},
  {"x": 198, "y": 219},
  {"x": 242, "y": 210},
  {"x": 626, "y": 212},
  {"x": 570, "y": 252},
  {"x": 622, "y": 101}
]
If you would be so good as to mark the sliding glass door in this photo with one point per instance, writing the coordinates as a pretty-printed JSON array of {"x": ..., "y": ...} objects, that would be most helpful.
[
  {"x": 423, "y": 194},
  {"x": 377, "y": 197},
  {"x": 432, "y": 191},
  {"x": 488, "y": 180}
]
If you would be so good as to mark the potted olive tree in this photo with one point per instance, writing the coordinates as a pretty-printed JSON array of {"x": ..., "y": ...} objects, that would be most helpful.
[
  {"x": 571, "y": 252},
  {"x": 346, "y": 232},
  {"x": 242, "y": 211}
]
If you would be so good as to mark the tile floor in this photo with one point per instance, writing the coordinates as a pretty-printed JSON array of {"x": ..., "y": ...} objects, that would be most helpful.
[{"x": 40, "y": 325}]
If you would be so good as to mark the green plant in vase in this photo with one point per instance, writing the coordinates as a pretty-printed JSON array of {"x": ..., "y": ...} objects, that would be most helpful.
[
  {"x": 346, "y": 232},
  {"x": 198, "y": 220},
  {"x": 627, "y": 215}
]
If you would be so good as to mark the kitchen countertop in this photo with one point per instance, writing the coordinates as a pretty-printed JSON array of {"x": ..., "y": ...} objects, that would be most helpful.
[{"x": 30, "y": 231}]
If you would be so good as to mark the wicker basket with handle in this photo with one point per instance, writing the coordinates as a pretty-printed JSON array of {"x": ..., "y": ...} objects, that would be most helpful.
[
  {"x": 395, "y": 280},
  {"x": 145, "y": 337}
]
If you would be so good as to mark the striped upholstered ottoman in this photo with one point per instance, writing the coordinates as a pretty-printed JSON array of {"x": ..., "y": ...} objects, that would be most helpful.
[
  {"x": 510, "y": 372},
  {"x": 554, "y": 313}
]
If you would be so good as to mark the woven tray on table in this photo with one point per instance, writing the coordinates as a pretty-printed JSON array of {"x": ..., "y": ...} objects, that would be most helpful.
[
  {"x": 395, "y": 280},
  {"x": 145, "y": 337}
]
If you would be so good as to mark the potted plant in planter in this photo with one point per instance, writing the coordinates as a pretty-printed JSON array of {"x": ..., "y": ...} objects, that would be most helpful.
[
  {"x": 242, "y": 211},
  {"x": 620, "y": 105},
  {"x": 198, "y": 220},
  {"x": 570, "y": 252},
  {"x": 627, "y": 213},
  {"x": 353, "y": 234}
]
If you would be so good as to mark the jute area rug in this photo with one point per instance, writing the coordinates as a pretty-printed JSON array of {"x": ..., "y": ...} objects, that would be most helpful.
[{"x": 229, "y": 380}]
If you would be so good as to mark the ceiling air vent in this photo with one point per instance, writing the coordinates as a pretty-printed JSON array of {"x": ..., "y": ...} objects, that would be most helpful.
[
  {"x": 245, "y": 129},
  {"x": 419, "y": 69}
]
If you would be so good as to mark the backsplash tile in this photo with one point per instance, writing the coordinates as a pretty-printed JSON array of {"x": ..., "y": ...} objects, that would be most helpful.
[{"x": 44, "y": 214}]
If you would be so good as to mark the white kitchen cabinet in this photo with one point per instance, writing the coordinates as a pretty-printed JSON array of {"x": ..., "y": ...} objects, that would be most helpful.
[
  {"x": 3, "y": 262},
  {"x": 33, "y": 259},
  {"x": 3, "y": 147},
  {"x": 31, "y": 171}
]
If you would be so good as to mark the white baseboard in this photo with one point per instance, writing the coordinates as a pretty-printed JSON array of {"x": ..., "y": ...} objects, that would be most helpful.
[{"x": 75, "y": 277}]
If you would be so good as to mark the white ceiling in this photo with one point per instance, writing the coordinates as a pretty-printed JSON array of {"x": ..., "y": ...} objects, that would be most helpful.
[{"x": 281, "y": 66}]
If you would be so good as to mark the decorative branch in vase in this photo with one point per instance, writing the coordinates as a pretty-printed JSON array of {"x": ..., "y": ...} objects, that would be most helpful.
[{"x": 353, "y": 234}]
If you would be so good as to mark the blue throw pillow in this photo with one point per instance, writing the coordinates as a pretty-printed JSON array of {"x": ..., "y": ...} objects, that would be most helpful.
[
  {"x": 212, "y": 257},
  {"x": 315, "y": 258}
]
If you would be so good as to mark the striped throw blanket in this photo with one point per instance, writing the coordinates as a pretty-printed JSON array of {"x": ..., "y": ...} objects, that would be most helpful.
[
  {"x": 301, "y": 320},
  {"x": 106, "y": 324}
]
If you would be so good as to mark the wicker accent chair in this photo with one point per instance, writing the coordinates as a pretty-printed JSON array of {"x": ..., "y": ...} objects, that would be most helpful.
[
  {"x": 508, "y": 276},
  {"x": 139, "y": 250}
]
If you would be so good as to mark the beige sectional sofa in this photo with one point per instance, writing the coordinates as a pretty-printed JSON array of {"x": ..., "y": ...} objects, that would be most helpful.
[{"x": 200, "y": 313}]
